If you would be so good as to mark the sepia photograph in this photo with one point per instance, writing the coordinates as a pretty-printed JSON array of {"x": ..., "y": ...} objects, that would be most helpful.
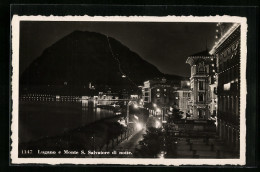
[{"x": 128, "y": 90}]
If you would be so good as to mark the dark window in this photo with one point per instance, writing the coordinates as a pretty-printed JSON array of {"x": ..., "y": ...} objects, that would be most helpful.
[
  {"x": 201, "y": 96},
  {"x": 200, "y": 113},
  {"x": 201, "y": 69},
  {"x": 200, "y": 85},
  {"x": 215, "y": 90}
]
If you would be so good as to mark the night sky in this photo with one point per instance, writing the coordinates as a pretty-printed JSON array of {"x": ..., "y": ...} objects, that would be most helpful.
[{"x": 165, "y": 45}]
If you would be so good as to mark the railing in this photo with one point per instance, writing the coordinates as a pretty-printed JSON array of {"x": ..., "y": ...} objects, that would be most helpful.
[{"x": 201, "y": 73}]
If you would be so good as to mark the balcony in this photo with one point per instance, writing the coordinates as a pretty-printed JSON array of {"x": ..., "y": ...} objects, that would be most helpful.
[{"x": 201, "y": 73}]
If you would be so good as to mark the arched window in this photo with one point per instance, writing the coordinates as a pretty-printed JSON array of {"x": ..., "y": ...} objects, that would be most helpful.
[{"x": 201, "y": 67}]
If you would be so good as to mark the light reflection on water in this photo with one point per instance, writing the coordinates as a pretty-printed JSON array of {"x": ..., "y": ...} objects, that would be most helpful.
[{"x": 42, "y": 119}]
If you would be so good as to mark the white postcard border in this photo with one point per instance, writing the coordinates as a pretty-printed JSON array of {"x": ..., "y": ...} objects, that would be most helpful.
[{"x": 15, "y": 35}]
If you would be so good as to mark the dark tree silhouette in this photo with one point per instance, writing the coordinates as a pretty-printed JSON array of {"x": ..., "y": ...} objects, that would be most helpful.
[
  {"x": 176, "y": 116},
  {"x": 152, "y": 143}
]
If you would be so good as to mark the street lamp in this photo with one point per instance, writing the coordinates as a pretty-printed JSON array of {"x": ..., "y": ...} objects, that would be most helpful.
[
  {"x": 139, "y": 126},
  {"x": 141, "y": 102},
  {"x": 157, "y": 124},
  {"x": 127, "y": 110},
  {"x": 127, "y": 113}
]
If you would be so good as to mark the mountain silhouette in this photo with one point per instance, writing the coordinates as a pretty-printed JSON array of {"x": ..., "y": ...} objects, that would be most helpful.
[{"x": 84, "y": 57}]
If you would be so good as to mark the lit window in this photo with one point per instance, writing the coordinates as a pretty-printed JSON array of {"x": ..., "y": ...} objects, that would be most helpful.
[{"x": 227, "y": 86}]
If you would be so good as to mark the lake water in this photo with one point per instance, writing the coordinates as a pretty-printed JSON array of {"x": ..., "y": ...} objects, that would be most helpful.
[{"x": 46, "y": 119}]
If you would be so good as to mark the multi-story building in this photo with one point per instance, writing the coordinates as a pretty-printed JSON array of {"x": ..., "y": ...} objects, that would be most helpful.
[
  {"x": 159, "y": 91},
  {"x": 227, "y": 52},
  {"x": 156, "y": 91},
  {"x": 146, "y": 92},
  {"x": 182, "y": 97},
  {"x": 203, "y": 68}
]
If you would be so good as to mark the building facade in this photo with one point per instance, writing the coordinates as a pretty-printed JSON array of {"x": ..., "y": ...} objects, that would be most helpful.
[
  {"x": 227, "y": 52},
  {"x": 146, "y": 92},
  {"x": 203, "y": 68},
  {"x": 160, "y": 92},
  {"x": 182, "y": 97},
  {"x": 157, "y": 91}
]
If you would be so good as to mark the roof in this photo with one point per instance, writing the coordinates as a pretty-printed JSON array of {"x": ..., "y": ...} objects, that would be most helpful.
[
  {"x": 200, "y": 56},
  {"x": 235, "y": 27}
]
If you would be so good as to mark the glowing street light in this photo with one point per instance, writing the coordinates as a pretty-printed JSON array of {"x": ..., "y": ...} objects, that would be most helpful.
[
  {"x": 158, "y": 110},
  {"x": 157, "y": 124},
  {"x": 139, "y": 126},
  {"x": 141, "y": 102},
  {"x": 154, "y": 105},
  {"x": 127, "y": 110},
  {"x": 161, "y": 155}
]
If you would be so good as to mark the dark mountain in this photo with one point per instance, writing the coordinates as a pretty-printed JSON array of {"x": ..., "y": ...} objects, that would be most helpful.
[{"x": 84, "y": 57}]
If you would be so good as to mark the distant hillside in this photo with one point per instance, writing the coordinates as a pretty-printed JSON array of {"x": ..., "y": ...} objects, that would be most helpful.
[{"x": 83, "y": 57}]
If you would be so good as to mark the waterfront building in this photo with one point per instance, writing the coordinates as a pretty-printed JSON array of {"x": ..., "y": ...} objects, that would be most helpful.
[{"x": 159, "y": 91}]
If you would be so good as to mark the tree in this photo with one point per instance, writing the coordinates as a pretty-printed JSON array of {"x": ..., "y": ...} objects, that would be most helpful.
[
  {"x": 114, "y": 131},
  {"x": 170, "y": 139},
  {"x": 175, "y": 116},
  {"x": 152, "y": 143}
]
